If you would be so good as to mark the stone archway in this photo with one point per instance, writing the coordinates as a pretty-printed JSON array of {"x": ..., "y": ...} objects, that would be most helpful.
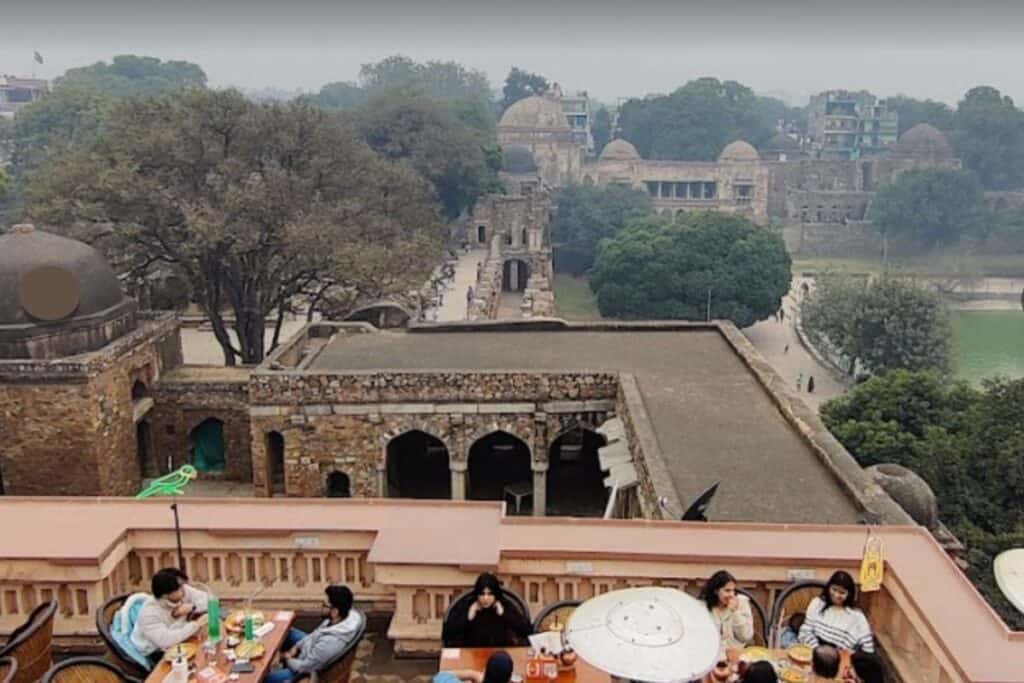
[
  {"x": 496, "y": 461},
  {"x": 575, "y": 482},
  {"x": 514, "y": 275},
  {"x": 338, "y": 485},
  {"x": 206, "y": 450},
  {"x": 274, "y": 446},
  {"x": 417, "y": 466}
]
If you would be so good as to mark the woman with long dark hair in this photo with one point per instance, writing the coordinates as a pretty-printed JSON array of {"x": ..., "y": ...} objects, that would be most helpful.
[
  {"x": 833, "y": 617},
  {"x": 490, "y": 620},
  {"x": 729, "y": 610}
]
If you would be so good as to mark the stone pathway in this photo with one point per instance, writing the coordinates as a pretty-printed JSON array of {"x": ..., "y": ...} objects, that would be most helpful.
[
  {"x": 772, "y": 339},
  {"x": 453, "y": 307},
  {"x": 509, "y": 306}
]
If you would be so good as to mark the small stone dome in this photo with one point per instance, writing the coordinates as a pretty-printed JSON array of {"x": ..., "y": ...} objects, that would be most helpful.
[
  {"x": 739, "y": 150},
  {"x": 619, "y": 150},
  {"x": 780, "y": 142},
  {"x": 909, "y": 490},
  {"x": 517, "y": 159},
  {"x": 535, "y": 112},
  {"x": 58, "y": 296},
  {"x": 923, "y": 141}
]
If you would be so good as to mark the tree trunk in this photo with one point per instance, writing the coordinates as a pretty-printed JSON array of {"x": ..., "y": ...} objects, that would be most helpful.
[
  {"x": 277, "y": 328},
  {"x": 220, "y": 332}
]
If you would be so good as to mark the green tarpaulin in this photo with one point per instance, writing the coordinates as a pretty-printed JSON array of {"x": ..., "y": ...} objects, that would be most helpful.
[{"x": 208, "y": 446}]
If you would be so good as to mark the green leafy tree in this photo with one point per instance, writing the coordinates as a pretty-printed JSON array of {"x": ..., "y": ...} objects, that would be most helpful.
[
  {"x": 658, "y": 267},
  {"x": 3, "y": 183},
  {"x": 880, "y": 325},
  {"x": 436, "y": 80},
  {"x": 698, "y": 120},
  {"x": 587, "y": 214},
  {"x": 338, "y": 95},
  {"x": 132, "y": 75},
  {"x": 966, "y": 443},
  {"x": 989, "y": 137},
  {"x": 913, "y": 111},
  {"x": 933, "y": 206},
  {"x": 254, "y": 205},
  {"x": 520, "y": 84},
  {"x": 601, "y": 127},
  {"x": 428, "y": 137}
]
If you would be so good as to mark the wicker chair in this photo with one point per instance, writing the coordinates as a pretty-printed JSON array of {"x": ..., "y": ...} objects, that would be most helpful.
[
  {"x": 104, "y": 618},
  {"x": 760, "y": 619},
  {"x": 30, "y": 644},
  {"x": 8, "y": 667},
  {"x": 562, "y": 609},
  {"x": 86, "y": 670},
  {"x": 795, "y": 598},
  {"x": 340, "y": 668},
  {"x": 463, "y": 601}
]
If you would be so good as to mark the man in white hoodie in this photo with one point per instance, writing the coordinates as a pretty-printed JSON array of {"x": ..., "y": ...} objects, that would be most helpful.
[
  {"x": 163, "y": 620},
  {"x": 304, "y": 654}
]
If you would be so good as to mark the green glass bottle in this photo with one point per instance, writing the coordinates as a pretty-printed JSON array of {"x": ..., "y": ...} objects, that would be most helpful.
[
  {"x": 213, "y": 619},
  {"x": 248, "y": 625}
]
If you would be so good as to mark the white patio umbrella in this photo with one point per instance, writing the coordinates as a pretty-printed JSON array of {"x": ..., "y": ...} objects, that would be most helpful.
[
  {"x": 1009, "y": 570},
  {"x": 659, "y": 635}
]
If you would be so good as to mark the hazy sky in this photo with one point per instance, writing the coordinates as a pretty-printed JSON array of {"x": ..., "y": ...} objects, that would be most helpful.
[{"x": 624, "y": 48}]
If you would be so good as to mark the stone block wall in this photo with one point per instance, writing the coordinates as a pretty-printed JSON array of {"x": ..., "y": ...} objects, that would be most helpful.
[{"x": 187, "y": 398}]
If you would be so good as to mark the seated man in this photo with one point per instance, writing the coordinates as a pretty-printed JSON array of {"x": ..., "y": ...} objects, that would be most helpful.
[
  {"x": 825, "y": 663},
  {"x": 498, "y": 670},
  {"x": 163, "y": 621},
  {"x": 304, "y": 654}
]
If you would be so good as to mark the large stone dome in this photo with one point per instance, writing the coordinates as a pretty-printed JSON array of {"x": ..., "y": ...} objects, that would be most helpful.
[
  {"x": 58, "y": 296},
  {"x": 923, "y": 141},
  {"x": 518, "y": 160},
  {"x": 535, "y": 112},
  {"x": 739, "y": 150},
  {"x": 619, "y": 150},
  {"x": 909, "y": 490}
]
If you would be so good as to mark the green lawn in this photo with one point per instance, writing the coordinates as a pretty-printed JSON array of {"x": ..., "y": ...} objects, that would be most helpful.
[
  {"x": 938, "y": 262},
  {"x": 573, "y": 298}
]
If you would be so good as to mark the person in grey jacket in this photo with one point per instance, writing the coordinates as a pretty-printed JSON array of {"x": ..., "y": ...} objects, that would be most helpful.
[{"x": 303, "y": 654}]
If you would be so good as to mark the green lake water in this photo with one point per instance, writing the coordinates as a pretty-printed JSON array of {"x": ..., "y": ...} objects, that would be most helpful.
[{"x": 988, "y": 343}]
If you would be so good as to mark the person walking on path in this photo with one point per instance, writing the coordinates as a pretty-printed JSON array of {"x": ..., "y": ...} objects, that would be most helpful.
[
  {"x": 799, "y": 381},
  {"x": 786, "y": 350},
  {"x": 782, "y": 314},
  {"x": 810, "y": 384}
]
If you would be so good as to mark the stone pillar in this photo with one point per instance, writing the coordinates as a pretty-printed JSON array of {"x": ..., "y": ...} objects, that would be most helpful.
[
  {"x": 458, "y": 470},
  {"x": 382, "y": 474},
  {"x": 540, "y": 488}
]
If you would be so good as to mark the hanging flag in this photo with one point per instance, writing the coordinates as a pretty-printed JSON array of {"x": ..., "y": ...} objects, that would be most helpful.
[{"x": 38, "y": 57}]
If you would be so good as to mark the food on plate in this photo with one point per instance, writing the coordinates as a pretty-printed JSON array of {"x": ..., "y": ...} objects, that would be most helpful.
[
  {"x": 182, "y": 651},
  {"x": 800, "y": 653}
]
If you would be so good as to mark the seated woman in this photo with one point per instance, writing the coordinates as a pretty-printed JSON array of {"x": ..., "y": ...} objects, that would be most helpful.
[
  {"x": 490, "y": 620},
  {"x": 729, "y": 610},
  {"x": 833, "y": 618}
]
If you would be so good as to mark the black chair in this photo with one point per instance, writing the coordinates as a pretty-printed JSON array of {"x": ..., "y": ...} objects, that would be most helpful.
[
  {"x": 760, "y": 618},
  {"x": 8, "y": 667},
  {"x": 795, "y": 598},
  {"x": 463, "y": 602},
  {"x": 104, "y": 618},
  {"x": 339, "y": 669},
  {"x": 563, "y": 609},
  {"x": 86, "y": 670},
  {"x": 30, "y": 644}
]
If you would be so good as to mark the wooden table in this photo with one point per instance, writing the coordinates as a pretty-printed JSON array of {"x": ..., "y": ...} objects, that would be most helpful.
[
  {"x": 779, "y": 655},
  {"x": 282, "y": 621},
  {"x": 476, "y": 658}
]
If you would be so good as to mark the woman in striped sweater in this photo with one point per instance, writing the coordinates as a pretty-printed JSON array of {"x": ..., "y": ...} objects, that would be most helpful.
[{"x": 834, "y": 619}]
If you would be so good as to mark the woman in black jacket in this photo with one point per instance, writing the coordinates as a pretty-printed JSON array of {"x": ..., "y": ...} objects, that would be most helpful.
[{"x": 489, "y": 620}]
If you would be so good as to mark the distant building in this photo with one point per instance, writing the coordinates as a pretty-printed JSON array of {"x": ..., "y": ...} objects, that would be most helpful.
[
  {"x": 578, "y": 114},
  {"x": 850, "y": 125},
  {"x": 17, "y": 92}
]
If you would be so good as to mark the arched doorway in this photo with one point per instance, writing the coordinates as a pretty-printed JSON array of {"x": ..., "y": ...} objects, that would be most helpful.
[
  {"x": 338, "y": 485},
  {"x": 417, "y": 467},
  {"x": 481, "y": 234},
  {"x": 207, "y": 449},
  {"x": 514, "y": 275},
  {"x": 575, "y": 482},
  {"x": 496, "y": 461},
  {"x": 274, "y": 443},
  {"x": 144, "y": 449}
]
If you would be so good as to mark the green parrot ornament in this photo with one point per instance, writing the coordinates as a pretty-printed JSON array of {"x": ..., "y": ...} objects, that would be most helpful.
[{"x": 172, "y": 484}]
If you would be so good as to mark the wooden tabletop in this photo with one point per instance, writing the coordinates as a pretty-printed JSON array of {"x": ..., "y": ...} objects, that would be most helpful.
[
  {"x": 476, "y": 658},
  {"x": 282, "y": 621}
]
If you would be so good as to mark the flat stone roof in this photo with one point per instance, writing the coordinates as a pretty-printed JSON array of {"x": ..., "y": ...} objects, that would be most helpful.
[{"x": 713, "y": 419}]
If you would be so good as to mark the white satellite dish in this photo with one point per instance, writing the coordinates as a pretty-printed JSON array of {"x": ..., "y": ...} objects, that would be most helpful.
[{"x": 1009, "y": 570}]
